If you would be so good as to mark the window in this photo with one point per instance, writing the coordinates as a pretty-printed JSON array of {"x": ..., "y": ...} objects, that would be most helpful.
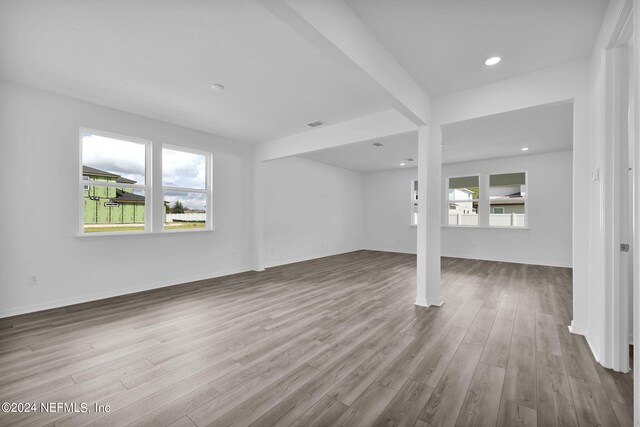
[
  {"x": 414, "y": 202},
  {"x": 115, "y": 199},
  {"x": 507, "y": 196},
  {"x": 463, "y": 197},
  {"x": 185, "y": 189},
  {"x": 115, "y": 183}
]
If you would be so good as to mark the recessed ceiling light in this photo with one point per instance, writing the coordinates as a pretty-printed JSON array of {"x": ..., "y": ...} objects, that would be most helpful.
[
  {"x": 492, "y": 60},
  {"x": 401, "y": 164},
  {"x": 217, "y": 86},
  {"x": 525, "y": 148}
]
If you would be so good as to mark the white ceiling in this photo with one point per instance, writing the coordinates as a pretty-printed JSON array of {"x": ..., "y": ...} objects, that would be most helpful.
[
  {"x": 159, "y": 58},
  {"x": 366, "y": 157},
  {"x": 442, "y": 43},
  {"x": 542, "y": 129}
]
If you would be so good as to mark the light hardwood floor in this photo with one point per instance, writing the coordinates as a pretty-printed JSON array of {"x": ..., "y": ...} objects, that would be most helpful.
[{"x": 333, "y": 341}]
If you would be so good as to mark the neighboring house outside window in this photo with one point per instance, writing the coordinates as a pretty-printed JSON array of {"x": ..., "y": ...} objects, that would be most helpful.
[
  {"x": 414, "y": 202},
  {"x": 110, "y": 205},
  {"x": 115, "y": 183},
  {"x": 464, "y": 196},
  {"x": 507, "y": 196},
  {"x": 505, "y": 204}
]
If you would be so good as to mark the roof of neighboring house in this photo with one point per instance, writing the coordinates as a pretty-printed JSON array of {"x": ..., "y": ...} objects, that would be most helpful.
[
  {"x": 88, "y": 170},
  {"x": 507, "y": 200},
  {"x": 125, "y": 197},
  {"x": 124, "y": 180}
]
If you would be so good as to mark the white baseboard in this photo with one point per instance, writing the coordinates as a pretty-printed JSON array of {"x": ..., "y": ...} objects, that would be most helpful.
[
  {"x": 429, "y": 302},
  {"x": 393, "y": 250},
  {"x": 422, "y": 302},
  {"x": 577, "y": 329},
  {"x": 436, "y": 301},
  {"x": 593, "y": 346},
  {"x": 115, "y": 293},
  {"x": 511, "y": 260},
  {"x": 109, "y": 294},
  {"x": 480, "y": 257},
  {"x": 309, "y": 257}
]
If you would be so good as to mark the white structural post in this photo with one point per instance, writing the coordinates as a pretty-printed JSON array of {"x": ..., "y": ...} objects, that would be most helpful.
[
  {"x": 258, "y": 215},
  {"x": 635, "y": 135},
  {"x": 429, "y": 216}
]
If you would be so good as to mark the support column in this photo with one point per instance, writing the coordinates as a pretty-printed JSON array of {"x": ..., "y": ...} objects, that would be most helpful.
[
  {"x": 635, "y": 135},
  {"x": 258, "y": 215},
  {"x": 429, "y": 216}
]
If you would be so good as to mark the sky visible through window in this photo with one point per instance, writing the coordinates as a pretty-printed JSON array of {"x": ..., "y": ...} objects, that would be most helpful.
[
  {"x": 185, "y": 170},
  {"x": 127, "y": 159},
  {"x": 123, "y": 158}
]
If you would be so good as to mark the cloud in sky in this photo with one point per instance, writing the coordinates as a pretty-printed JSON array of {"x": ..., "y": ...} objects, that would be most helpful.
[
  {"x": 182, "y": 169},
  {"x": 127, "y": 159},
  {"x": 122, "y": 158}
]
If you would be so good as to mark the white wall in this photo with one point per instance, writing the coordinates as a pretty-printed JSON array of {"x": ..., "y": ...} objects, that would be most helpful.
[
  {"x": 39, "y": 218},
  {"x": 547, "y": 238},
  {"x": 564, "y": 82},
  {"x": 387, "y": 207},
  {"x": 310, "y": 210}
]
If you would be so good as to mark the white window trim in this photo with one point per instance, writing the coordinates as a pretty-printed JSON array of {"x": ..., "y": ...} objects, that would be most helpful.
[
  {"x": 208, "y": 190},
  {"x": 148, "y": 205},
  {"x": 526, "y": 198},
  {"x": 484, "y": 185},
  {"x": 447, "y": 201},
  {"x": 153, "y": 178},
  {"x": 413, "y": 221}
]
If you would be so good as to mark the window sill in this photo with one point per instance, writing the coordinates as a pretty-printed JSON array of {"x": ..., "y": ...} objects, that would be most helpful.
[
  {"x": 485, "y": 227},
  {"x": 100, "y": 235}
]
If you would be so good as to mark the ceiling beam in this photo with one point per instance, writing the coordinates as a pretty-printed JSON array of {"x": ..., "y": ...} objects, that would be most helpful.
[
  {"x": 336, "y": 30},
  {"x": 373, "y": 126}
]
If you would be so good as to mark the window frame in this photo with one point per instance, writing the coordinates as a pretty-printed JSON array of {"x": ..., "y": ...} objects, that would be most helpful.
[
  {"x": 148, "y": 194},
  {"x": 448, "y": 201},
  {"x": 413, "y": 215},
  {"x": 207, "y": 191},
  {"x": 526, "y": 199},
  {"x": 484, "y": 203},
  {"x": 154, "y": 219}
]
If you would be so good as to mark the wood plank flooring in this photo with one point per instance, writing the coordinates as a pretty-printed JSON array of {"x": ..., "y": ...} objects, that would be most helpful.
[{"x": 332, "y": 341}]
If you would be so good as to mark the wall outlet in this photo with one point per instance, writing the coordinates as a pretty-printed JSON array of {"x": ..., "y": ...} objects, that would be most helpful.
[{"x": 33, "y": 281}]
